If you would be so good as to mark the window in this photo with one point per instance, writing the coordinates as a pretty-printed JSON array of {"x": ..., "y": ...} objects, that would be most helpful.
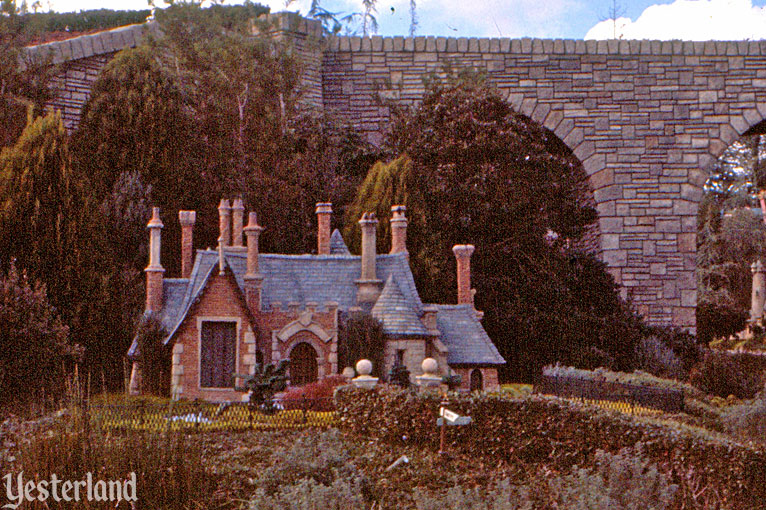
[
  {"x": 400, "y": 357},
  {"x": 218, "y": 354}
]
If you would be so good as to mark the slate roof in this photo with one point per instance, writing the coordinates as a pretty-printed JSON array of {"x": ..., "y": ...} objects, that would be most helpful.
[
  {"x": 394, "y": 312},
  {"x": 337, "y": 244},
  {"x": 321, "y": 279},
  {"x": 464, "y": 336}
]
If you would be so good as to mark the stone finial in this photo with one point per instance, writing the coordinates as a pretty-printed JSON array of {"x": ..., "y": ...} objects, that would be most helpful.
[
  {"x": 237, "y": 218},
  {"x": 463, "y": 254},
  {"x": 364, "y": 379},
  {"x": 349, "y": 373},
  {"x": 429, "y": 366},
  {"x": 430, "y": 377},
  {"x": 187, "y": 220},
  {"x": 324, "y": 215},
  {"x": 398, "y": 229}
]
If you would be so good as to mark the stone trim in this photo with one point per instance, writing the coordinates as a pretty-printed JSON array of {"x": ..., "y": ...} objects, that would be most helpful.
[{"x": 99, "y": 43}]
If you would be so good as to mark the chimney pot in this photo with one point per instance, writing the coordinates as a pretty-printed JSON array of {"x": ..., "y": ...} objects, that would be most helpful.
[
  {"x": 463, "y": 254},
  {"x": 253, "y": 279},
  {"x": 324, "y": 215},
  {"x": 154, "y": 271},
  {"x": 187, "y": 220},
  {"x": 368, "y": 285},
  {"x": 398, "y": 229},
  {"x": 237, "y": 217},
  {"x": 224, "y": 222}
]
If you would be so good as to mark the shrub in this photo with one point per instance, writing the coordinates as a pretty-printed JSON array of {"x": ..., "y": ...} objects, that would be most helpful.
[
  {"x": 559, "y": 434},
  {"x": 308, "y": 494},
  {"x": 748, "y": 420},
  {"x": 719, "y": 374},
  {"x": 653, "y": 356},
  {"x": 152, "y": 356},
  {"x": 502, "y": 497},
  {"x": 316, "y": 396},
  {"x": 316, "y": 466},
  {"x": 360, "y": 336},
  {"x": 35, "y": 342},
  {"x": 624, "y": 480}
]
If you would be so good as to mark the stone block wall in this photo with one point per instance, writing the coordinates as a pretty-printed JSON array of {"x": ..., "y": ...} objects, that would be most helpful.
[{"x": 647, "y": 119}]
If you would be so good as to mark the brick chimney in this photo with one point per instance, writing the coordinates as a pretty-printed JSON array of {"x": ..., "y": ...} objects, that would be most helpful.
[
  {"x": 154, "y": 271},
  {"x": 463, "y": 254},
  {"x": 187, "y": 219},
  {"x": 759, "y": 292},
  {"x": 324, "y": 214},
  {"x": 237, "y": 219},
  {"x": 368, "y": 285},
  {"x": 224, "y": 223},
  {"x": 398, "y": 229},
  {"x": 253, "y": 277}
]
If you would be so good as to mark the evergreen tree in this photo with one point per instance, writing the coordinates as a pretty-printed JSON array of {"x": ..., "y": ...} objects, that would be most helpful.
[
  {"x": 474, "y": 171},
  {"x": 34, "y": 344}
]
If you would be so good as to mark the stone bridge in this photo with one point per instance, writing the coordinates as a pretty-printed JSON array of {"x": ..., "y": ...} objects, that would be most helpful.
[{"x": 647, "y": 119}]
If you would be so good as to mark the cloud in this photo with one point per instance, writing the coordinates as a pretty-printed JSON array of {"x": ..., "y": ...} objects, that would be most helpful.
[{"x": 691, "y": 20}]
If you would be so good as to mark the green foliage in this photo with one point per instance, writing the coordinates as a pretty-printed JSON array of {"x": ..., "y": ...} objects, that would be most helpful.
[
  {"x": 360, "y": 336},
  {"x": 263, "y": 383},
  {"x": 720, "y": 374},
  {"x": 384, "y": 186},
  {"x": 655, "y": 357},
  {"x": 748, "y": 420},
  {"x": 39, "y": 206},
  {"x": 503, "y": 497},
  {"x": 472, "y": 170},
  {"x": 624, "y": 480},
  {"x": 558, "y": 435},
  {"x": 153, "y": 357},
  {"x": 34, "y": 343},
  {"x": 319, "y": 459},
  {"x": 730, "y": 237}
]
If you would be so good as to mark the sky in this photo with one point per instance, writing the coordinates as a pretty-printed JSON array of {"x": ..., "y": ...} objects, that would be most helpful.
[{"x": 569, "y": 19}]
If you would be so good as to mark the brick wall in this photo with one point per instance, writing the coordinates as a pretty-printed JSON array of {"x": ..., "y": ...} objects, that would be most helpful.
[{"x": 219, "y": 301}]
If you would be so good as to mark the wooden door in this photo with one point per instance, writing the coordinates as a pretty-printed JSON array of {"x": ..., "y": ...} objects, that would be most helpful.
[
  {"x": 303, "y": 364},
  {"x": 477, "y": 380}
]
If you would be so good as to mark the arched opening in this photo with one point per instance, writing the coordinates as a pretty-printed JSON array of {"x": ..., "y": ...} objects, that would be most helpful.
[
  {"x": 303, "y": 365},
  {"x": 731, "y": 236},
  {"x": 477, "y": 380}
]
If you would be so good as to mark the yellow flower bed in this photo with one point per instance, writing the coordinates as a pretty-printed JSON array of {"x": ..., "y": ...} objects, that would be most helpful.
[{"x": 207, "y": 417}]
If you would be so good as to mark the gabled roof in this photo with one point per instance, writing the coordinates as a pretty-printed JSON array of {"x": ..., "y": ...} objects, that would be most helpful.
[
  {"x": 464, "y": 336},
  {"x": 320, "y": 279},
  {"x": 397, "y": 316}
]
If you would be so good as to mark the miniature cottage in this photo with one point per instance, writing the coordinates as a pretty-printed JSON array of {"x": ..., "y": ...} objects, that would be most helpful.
[{"x": 234, "y": 306}]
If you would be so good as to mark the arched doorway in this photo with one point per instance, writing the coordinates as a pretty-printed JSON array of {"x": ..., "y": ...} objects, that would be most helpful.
[
  {"x": 303, "y": 364},
  {"x": 477, "y": 380}
]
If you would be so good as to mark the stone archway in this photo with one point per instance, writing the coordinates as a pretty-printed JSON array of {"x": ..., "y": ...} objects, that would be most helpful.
[{"x": 304, "y": 368}]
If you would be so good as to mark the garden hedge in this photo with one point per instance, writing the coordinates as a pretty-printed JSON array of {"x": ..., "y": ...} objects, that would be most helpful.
[{"x": 559, "y": 434}]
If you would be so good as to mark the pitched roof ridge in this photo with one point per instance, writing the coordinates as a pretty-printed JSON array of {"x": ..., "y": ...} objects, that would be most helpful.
[
  {"x": 390, "y": 290},
  {"x": 337, "y": 244}
]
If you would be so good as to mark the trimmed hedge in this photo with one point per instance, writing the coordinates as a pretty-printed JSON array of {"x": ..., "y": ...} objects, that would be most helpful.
[{"x": 560, "y": 434}]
